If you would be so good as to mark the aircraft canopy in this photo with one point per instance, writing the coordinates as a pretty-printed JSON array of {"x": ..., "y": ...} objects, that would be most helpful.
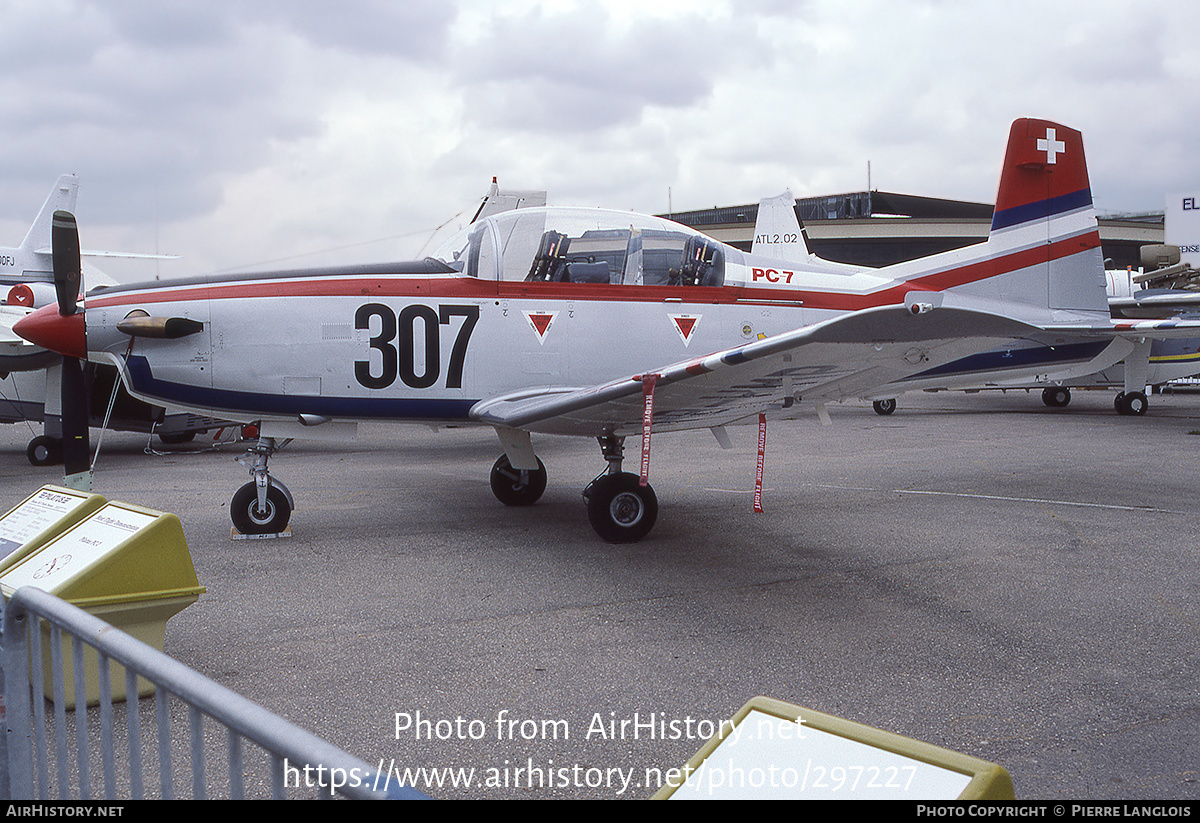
[{"x": 588, "y": 246}]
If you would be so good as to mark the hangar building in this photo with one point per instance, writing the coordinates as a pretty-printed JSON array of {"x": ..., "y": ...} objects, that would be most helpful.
[{"x": 877, "y": 228}]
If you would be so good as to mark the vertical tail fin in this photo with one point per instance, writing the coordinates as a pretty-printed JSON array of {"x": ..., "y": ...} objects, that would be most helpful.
[
  {"x": 1044, "y": 210},
  {"x": 777, "y": 231},
  {"x": 62, "y": 198},
  {"x": 779, "y": 235}
]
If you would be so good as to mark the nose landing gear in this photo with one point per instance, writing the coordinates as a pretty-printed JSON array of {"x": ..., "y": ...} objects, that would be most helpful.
[{"x": 264, "y": 505}]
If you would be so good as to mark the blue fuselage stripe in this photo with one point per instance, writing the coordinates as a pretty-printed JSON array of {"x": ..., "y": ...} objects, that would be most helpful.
[
  {"x": 281, "y": 405},
  {"x": 993, "y": 361}
]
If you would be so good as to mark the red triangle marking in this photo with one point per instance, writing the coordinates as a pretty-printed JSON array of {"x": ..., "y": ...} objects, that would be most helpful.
[{"x": 685, "y": 325}]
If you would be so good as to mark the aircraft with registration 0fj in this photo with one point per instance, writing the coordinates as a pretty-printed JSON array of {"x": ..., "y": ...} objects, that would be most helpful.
[
  {"x": 30, "y": 376},
  {"x": 600, "y": 324}
]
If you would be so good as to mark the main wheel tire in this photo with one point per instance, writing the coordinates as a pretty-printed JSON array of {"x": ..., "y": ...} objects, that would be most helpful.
[
  {"x": 247, "y": 518},
  {"x": 514, "y": 487},
  {"x": 44, "y": 450},
  {"x": 620, "y": 509},
  {"x": 1134, "y": 403},
  {"x": 1057, "y": 397},
  {"x": 884, "y": 407}
]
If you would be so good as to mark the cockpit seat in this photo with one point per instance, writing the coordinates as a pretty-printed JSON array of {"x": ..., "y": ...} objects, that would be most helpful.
[
  {"x": 580, "y": 271},
  {"x": 551, "y": 256}
]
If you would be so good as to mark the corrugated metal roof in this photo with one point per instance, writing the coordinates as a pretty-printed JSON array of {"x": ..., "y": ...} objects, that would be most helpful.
[{"x": 845, "y": 206}]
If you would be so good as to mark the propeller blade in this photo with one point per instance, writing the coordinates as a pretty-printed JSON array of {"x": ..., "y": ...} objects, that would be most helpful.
[
  {"x": 68, "y": 271},
  {"x": 76, "y": 449},
  {"x": 68, "y": 279}
]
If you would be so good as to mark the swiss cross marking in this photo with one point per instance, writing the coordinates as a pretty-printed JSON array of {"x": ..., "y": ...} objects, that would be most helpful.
[{"x": 1052, "y": 146}]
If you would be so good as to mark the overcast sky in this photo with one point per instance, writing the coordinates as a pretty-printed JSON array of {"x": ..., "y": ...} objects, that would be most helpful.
[{"x": 298, "y": 132}]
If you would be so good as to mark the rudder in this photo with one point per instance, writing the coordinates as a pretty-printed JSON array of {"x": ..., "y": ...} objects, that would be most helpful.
[{"x": 1044, "y": 202}]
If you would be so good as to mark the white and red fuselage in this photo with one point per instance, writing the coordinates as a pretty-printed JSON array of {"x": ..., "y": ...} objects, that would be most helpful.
[{"x": 555, "y": 300}]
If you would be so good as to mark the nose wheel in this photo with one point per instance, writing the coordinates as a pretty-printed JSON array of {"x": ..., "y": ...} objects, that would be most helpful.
[
  {"x": 44, "y": 450},
  {"x": 264, "y": 505},
  {"x": 251, "y": 518}
]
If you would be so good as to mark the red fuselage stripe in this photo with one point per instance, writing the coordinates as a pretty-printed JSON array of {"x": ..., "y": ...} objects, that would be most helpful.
[{"x": 374, "y": 286}]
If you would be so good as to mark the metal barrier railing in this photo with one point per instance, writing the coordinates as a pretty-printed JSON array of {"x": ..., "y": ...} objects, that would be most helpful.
[{"x": 294, "y": 758}]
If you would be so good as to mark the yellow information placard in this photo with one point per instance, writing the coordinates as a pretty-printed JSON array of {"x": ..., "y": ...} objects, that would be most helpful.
[
  {"x": 124, "y": 564},
  {"x": 772, "y": 750},
  {"x": 41, "y": 517}
]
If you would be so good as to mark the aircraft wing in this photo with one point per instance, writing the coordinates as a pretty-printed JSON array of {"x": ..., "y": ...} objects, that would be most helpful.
[
  {"x": 1155, "y": 303},
  {"x": 841, "y": 358}
]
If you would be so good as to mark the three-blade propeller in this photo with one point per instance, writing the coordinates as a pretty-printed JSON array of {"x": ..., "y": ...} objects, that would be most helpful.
[
  {"x": 70, "y": 339},
  {"x": 67, "y": 280}
]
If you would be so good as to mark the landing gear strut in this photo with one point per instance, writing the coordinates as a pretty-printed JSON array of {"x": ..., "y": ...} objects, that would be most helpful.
[
  {"x": 620, "y": 509},
  {"x": 264, "y": 505}
]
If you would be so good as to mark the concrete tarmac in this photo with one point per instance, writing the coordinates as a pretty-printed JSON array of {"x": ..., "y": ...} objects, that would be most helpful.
[{"x": 979, "y": 572}]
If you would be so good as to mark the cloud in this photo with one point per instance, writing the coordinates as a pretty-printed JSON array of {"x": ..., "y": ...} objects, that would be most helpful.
[
  {"x": 582, "y": 71},
  {"x": 179, "y": 98},
  {"x": 241, "y": 132}
]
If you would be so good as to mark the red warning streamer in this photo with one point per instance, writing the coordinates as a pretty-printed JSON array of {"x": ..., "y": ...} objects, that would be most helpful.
[
  {"x": 648, "y": 381},
  {"x": 762, "y": 454}
]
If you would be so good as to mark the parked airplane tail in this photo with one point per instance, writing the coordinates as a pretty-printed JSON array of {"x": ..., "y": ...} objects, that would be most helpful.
[
  {"x": 1044, "y": 229},
  {"x": 779, "y": 234},
  {"x": 777, "y": 230},
  {"x": 62, "y": 198}
]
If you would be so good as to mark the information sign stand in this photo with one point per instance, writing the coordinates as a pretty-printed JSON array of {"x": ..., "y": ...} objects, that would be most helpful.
[
  {"x": 774, "y": 750},
  {"x": 41, "y": 517},
  {"x": 123, "y": 564}
]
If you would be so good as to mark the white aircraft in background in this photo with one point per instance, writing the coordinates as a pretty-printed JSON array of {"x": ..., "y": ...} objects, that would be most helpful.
[
  {"x": 598, "y": 324},
  {"x": 1024, "y": 364},
  {"x": 31, "y": 375}
]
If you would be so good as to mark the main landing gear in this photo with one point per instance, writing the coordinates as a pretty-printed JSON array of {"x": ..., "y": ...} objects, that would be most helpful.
[
  {"x": 620, "y": 508},
  {"x": 517, "y": 487},
  {"x": 1126, "y": 403},
  {"x": 44, "y": 450},
  {"x": 264, "y": 505},
  {"x": 1131, "y": 403},
  {"x": 1056, "y": 397}
]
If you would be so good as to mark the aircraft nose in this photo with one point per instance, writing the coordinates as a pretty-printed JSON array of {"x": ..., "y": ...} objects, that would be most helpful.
[{"x": 58, "y": 333}]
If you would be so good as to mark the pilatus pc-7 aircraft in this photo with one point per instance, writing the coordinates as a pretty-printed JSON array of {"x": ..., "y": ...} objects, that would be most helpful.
[{"x": 599, "y": 324}]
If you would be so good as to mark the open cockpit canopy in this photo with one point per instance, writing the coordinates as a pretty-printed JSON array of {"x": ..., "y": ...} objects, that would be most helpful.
[{"x": 575, "y": 245}]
